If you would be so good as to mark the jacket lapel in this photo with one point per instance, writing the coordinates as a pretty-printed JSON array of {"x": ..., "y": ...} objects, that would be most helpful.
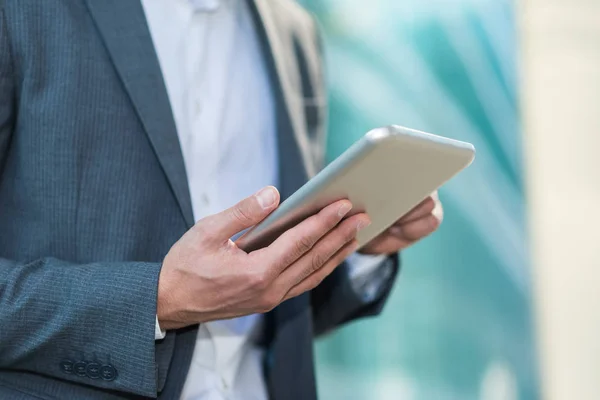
[
  {"x": 122, "y": 24},
  {"x": 280, "y": 53},
  {"x": 295, "y": 166}
]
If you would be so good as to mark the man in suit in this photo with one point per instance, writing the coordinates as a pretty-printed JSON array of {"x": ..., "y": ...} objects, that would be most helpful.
[{"x": 126, "y": 128}]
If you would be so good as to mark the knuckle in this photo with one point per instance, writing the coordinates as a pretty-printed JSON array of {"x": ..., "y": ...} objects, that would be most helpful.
[
  {"x": 241, "y": 214},
  {"x": 205, "y": 228},
  {"x": 317, "y": 261},
  {"x": 304, "y": 244},
  {"x": 200, "y": 225},
  {"x": 289, "y": 259},
  {"x": 259, "y": 280},
  {"x": 350, "y": 234}
]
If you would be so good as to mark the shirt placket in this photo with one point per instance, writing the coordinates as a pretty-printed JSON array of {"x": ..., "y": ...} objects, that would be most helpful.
[
  {"x": 201, "y": 114},
  {"x": 205, "y": 108}
]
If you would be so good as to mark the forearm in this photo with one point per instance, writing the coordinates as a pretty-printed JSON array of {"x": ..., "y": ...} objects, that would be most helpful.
[{"x": 53, "y": 313}]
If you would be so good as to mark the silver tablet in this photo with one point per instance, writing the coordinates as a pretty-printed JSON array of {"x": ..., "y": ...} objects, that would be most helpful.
[{"x": 385, "y": 174}]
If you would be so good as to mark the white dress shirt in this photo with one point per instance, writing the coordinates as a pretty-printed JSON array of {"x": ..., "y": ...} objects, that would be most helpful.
[{"x": 223, "y": 107}]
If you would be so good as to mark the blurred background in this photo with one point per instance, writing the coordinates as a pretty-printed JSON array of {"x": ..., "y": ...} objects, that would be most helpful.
[{"x": 501, "y": 302}]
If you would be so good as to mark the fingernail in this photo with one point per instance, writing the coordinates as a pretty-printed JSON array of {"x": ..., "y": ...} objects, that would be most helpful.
[
  {"x": 266, "y": 197},
  {"x": 362, "y": 225},
  {"x": 344, "y": 209}
]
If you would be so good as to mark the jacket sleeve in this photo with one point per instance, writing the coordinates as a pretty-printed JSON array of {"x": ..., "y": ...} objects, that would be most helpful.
[
  {"x": 337, "y": 301},
  {"x": 92, "y": 324}
]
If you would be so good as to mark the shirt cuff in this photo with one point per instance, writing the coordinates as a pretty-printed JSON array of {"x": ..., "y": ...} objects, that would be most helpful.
[
  {"x": 159, "y": 334},
  {"x": 368, "y": 274}
]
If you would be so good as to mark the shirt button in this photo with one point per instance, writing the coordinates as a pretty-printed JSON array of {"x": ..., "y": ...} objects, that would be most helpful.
[
  {"x": 108, "y": 372},
  {"x": 198, "y": 107},
  {"x": 205, "y": 199},
  {"x": 205, "y": 5}
]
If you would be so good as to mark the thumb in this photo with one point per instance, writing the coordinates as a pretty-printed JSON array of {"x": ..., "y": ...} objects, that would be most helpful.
[{"x": 245, "y": 214}]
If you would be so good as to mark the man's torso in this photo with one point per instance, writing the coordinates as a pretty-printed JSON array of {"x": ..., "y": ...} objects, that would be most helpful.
[{"x": 92, "y": 170}]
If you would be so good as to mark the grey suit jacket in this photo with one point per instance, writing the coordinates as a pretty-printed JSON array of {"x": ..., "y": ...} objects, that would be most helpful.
[{"x": 93, "y": 192}]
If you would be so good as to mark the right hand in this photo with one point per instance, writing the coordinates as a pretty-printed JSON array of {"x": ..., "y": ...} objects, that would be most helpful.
[{"x": 206, "y": 277}]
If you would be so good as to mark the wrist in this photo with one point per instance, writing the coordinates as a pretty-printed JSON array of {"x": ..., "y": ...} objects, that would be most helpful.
[
  {"x": 166, "y": 318},
  {"x": 165, "y": 303}
]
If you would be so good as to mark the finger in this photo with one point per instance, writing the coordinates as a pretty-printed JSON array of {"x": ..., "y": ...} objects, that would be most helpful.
[
  {"x": 295, "y": 242},
  {"x": 243, "y": 215},
  {"x": 320, "y": 254},
  {"x": 386, "y": 244},
  {"x": 313, "y": 280},
  {"x": 422, "y": 209},
  {"x": 416, "y": 230}
]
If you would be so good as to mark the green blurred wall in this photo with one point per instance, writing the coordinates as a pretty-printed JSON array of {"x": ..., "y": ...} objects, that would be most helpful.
[{"x": 458, "y": 325}]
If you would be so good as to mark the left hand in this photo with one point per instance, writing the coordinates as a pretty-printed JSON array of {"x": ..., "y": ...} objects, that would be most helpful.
[{"x": 420, "y": 222}]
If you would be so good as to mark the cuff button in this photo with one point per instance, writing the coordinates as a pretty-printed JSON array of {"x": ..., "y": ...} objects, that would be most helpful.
[
  {"x": 108, "y": 372},
  {"x": 79, "y": 368},
  {"x": 93, "y": 370},
  {"x": 66, "y": 366}
]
